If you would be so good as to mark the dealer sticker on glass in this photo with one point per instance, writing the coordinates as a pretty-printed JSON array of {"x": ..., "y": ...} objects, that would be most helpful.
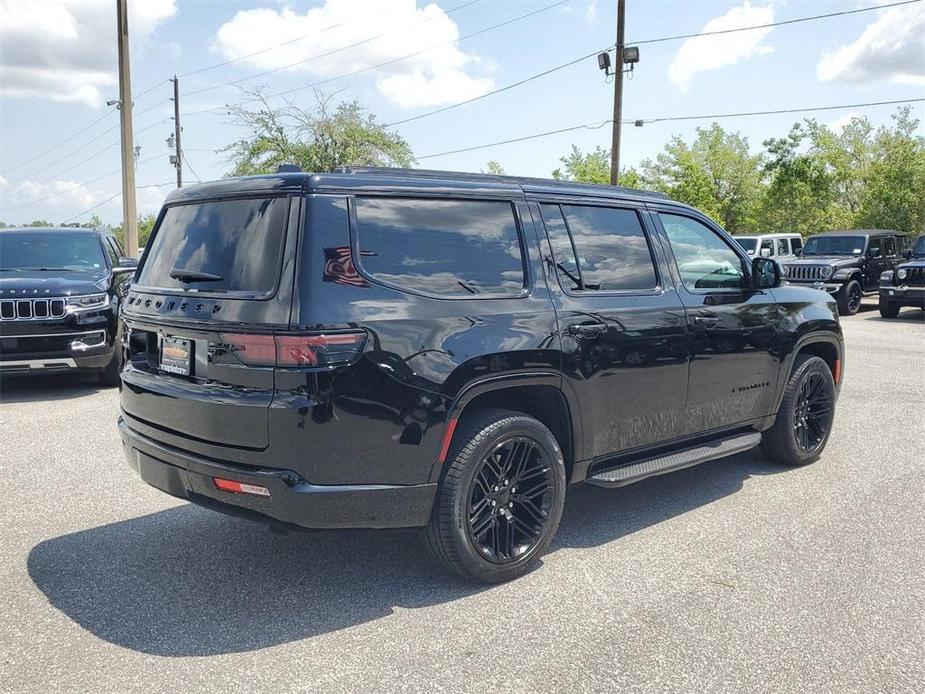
[{"x": 175, "y": 355}]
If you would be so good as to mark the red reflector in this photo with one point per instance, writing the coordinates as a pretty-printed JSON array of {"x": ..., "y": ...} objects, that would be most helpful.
[
  {"x": 447, "y": 438},
  {"x": 240, "y": 487},
  {"x": 837, "y": 374}
]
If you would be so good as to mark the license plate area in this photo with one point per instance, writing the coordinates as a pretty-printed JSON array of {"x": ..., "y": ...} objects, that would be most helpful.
[{"x": 176, "y": 355}]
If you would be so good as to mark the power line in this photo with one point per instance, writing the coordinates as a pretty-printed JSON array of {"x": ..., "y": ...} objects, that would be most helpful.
[
  {"x": 111, "y": 198},
  {"x": 774, "y": 24},
  {"x": 595, "y": 126},
  {"x": 325, "y": 54},
  {"x": 186, "y": 161},
  {"x": 496, "y": 91},
  {"x": 76, "y": 186},
  {"x": 62, "y": 142},
  {"x": 676, "y": 37}
]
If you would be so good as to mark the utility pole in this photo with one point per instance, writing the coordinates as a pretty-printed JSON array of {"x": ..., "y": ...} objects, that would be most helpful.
[
  {"x": 129, "y": 210},
  {"x": 617, "y": 97},
  {"x": 178, "y": 151}
]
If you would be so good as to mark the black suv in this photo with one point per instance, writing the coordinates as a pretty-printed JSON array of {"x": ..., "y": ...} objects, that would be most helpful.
[
  {"x": 904, "y": 285},
  {"x": 387, "y": 349},
  {"x": 847, "y": 264},
  {"x": 60, "y": 291}
]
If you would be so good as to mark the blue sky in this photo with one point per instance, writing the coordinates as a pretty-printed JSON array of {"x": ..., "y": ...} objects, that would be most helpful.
[{"x": 58, "y": 64}]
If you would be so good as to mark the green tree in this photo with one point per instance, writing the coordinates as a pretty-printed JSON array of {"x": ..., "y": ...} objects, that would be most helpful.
[
  {"x": 716, "y": 173},
  {"x": 494, "y": 168},
  {"x": 145, "y": 226},
  {"x": 593, "y": 167},
  {"x": 893, "y": 192},
  {"x": 321, "y": 139},
  {"x": 39, "y": 223}
]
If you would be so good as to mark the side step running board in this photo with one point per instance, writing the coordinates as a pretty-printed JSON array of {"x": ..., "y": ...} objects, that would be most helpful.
[{"x": 633, "y": 472}]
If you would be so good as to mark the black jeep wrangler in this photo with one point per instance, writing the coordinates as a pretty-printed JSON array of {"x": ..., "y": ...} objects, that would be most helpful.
[
  {"x": 847, "y": 264},
  {"x": 402, "y": 348},
  {"x": 904, "y": 285}
]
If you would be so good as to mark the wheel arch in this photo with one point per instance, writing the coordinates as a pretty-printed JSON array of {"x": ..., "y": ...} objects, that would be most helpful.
[
  {"x": 827, "y": 346},
  {"x": 538, "y": 395}
]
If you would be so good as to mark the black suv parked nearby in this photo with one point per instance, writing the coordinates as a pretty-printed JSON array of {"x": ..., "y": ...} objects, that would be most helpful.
[
  {"x": 60, "y": 291},
  {"x": 905, "y": 285},
  {"x": 847, "y": 264},
  {"x": 388, "y": 348}
]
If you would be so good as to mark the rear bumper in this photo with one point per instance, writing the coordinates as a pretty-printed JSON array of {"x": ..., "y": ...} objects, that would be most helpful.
[
  {"x": 903, "y": 296},
  {"x": 292, "y": 500}
]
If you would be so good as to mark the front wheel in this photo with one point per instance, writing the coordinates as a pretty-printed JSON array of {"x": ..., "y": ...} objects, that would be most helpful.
[
  {"x": 501, "y": 499},
  {"x": 888, "y": 309},
  {"x": 110, "y": 376},
  {"x": 805, "y": 417},
  {"x": 849, "y": 298}
]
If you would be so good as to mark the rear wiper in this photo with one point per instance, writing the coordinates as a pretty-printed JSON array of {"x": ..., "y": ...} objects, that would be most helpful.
[{"x": 194, "y": 276}]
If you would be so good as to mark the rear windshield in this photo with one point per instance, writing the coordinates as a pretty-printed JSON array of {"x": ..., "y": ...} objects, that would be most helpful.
[
  {"x": 237, "y": 243},
  {"x": 50, "y": 250}
]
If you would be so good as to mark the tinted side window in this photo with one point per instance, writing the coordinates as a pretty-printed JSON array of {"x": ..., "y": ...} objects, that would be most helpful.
[
  {"x": 888, "y": 247},
  {"x": 704, "y": 259},
  {"x": 610, "y": 246},
  {"x": 767, "y": 248},
  {"x": 451, "y": 248},
  {"x": 562, "y": 251},
  {"x": 111, "y": 250},
  {"x": 782, "y": 247},
  {"x": 796, "y": 244},
  {"x": 873, "y": 248}
]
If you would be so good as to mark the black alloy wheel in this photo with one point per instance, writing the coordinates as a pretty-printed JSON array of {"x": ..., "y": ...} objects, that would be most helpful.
[
  {"x": 812, "y": 414},
  {"x": 500, "y": 498},
  {"x": 510, "y": 500}
]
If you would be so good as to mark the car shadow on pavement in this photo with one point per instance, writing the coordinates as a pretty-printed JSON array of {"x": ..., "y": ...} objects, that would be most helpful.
[
  {"x": 191, "y": 582},
  {"x": 42, "y": 387}
]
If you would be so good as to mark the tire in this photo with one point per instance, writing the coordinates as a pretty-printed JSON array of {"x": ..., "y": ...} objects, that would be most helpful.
[
  {"x": 888, "y": 309},
  {"x": 111, "y": 375},
  {"x": 849, "y": 298},
  {"x": 784, "y": 442},
  {"x": 488, "y": 542}
]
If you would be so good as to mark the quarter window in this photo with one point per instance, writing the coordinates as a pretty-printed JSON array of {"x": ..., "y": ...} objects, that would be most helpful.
[
  {"x": 449, "y": 248},
  {"x": 704, "y": 259},
  {"x": 599, "y": 248}
]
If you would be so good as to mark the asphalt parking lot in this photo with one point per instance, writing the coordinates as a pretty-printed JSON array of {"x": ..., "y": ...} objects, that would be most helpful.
[{"x": 733, "y": 576}]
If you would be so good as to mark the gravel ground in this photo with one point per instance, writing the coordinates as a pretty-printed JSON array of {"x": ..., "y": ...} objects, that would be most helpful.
[{"x": 733, "y": 576}]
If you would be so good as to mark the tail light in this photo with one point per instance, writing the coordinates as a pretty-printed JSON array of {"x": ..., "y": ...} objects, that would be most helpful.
[{"x": 316, "y": 350}]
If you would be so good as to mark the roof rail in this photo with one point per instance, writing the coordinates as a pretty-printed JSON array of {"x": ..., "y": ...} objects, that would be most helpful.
[{"x": 502, "y": 178}]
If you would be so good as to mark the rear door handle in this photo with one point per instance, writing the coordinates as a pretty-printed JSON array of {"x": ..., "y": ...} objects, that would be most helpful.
[
  {"x": 706, "y": 319},
  {"x": 587, "y": 329}
]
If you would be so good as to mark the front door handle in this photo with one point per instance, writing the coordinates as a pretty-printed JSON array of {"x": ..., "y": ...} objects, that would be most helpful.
[{"x": 587, "y": 329}]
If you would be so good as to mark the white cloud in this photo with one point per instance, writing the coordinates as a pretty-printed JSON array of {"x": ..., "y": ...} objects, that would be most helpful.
[
  {"x": 839, "y": 124},
  {"x": 65, "y": 50},
  {"x": 437, "y": 76},
  {"x": 591, "y": 12},
  {"x": 890, "y": 49},
  {"x": 59, "y": 200},
  {"x": 704, "y": 53}
]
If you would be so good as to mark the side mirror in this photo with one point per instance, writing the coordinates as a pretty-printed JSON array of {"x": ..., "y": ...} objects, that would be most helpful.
[
  {"x": 766, "y": 274},
  {"x": 798, "y": 252},
  {"x": 126, "y": 264}
]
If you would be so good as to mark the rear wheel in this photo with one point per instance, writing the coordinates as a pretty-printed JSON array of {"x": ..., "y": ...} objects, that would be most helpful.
[
  {"x": 888, "y": 309},
  {"x": 805, "y": 417},
  {"x": 501, "y": 499},
  {"x": 849, "y": 298}
]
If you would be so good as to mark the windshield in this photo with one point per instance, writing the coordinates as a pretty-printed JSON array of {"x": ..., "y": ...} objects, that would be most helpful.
[
  {"x": 834, "y": 245},
  {"x": 918, "y": 250},
  {"x": 748, "y": 245},
  {"x": 50, "y": 250}
]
